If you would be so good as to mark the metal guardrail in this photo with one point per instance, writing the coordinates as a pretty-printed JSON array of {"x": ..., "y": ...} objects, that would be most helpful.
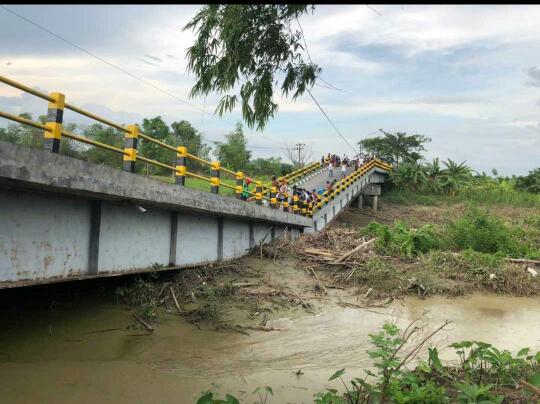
[{"x": 53, "y": 132}]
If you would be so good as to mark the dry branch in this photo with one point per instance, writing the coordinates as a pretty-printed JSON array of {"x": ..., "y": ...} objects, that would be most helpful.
[
  {"x": 144, "y": 323},
  {"x": 361, "y": 246}
]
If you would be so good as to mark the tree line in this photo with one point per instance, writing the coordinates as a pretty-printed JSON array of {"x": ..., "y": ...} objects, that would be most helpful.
[
  {"x": 233, "y": 153},
  {"x": 413, "y": 173}
]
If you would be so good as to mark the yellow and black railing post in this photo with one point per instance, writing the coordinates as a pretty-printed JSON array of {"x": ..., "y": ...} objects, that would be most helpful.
[
  {"x": 258, "y": 192},
  {"x": 295, "y": 203},
  {"x": 214, "y": 188},
  {"x": 319, "y": 202},
  {"x": 181, "y": 160},
  {"x": 55, "y": 115},
  {"x": 239, "y": 184},
  {"x": 273, "y": 200},
  {"x": 131, "y": 140}
]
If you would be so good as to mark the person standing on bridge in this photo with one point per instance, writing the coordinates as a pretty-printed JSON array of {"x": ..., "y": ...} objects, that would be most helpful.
[
  {"x": 282, "y": 191},
  {"x": 245, "y": 189},
  {"x": 343, "y": 169},
  {"x": 330, "y": 170}
]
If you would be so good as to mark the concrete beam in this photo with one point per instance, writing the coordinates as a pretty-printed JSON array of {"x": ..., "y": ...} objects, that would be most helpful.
[
  {"x": 372, "y": 189},
  {"x": 35, "y": 169}
]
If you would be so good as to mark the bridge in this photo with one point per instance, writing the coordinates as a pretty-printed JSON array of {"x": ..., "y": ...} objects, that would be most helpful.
[{"x": 63, "y": 218}]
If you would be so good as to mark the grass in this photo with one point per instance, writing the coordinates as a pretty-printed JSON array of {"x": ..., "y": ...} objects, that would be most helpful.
[
  {"x": 201, "y": 185},
  {"x": 474, "y": 194}
]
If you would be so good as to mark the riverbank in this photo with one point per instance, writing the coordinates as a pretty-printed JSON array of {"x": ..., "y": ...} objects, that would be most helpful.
[{"x": 282, "y": 320}]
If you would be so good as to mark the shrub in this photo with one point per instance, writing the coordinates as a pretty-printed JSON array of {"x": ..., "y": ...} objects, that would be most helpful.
[
  {"x": 478, "y": 231},
  {"x": 402, "y": 240}
]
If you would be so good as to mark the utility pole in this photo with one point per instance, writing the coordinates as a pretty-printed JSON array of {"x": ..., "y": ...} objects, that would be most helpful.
[{"x": 299, "y": 147}]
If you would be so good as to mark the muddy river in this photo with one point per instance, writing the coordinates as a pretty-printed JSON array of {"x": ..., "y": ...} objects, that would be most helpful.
[{"x": 82, "y": 352}]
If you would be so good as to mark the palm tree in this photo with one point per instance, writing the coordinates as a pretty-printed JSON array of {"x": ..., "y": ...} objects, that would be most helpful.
[
  {"x": 455, "y": 176},
  {"x": 409, "y": 174},
  {"x": 433, "y": 173}
]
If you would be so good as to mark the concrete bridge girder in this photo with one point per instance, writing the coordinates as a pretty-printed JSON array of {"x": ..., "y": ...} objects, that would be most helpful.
[{"x": 62, "y": 219}]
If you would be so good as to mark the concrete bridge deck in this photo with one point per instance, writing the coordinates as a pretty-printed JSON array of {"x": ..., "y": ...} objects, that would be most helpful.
[{"x": 63, "y": 219}]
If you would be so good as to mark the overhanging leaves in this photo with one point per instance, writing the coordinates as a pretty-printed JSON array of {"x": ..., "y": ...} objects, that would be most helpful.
[{"x": 251, "y": 46}]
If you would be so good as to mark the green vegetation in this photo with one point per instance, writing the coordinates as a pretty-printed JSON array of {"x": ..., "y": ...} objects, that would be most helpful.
[
  {"x": 232, "y": 153},
  {"x": 395, "y": 148},
  {"x": 485, "y": 374},
  {"x": 401, "y": 240},
  {"x": 475, "y": 230},
  {"x": 428, "y": 183},
  {"x": 248, "y": 49},
  {"x": 530, "y": 182}
]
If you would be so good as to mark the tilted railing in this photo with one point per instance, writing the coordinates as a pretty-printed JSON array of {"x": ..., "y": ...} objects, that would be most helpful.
[{"x": 53, "y": 132}]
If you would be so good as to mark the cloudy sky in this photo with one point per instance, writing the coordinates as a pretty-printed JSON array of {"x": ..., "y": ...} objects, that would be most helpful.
[{"x": 466, "y": 76}]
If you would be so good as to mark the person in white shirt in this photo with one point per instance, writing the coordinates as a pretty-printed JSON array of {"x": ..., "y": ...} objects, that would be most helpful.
[
  {"x": 343, "y": 169},
  {"x": 330, "y": 170}
]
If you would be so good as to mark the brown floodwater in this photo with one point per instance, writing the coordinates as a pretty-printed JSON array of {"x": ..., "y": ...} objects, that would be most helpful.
[{"x": 82, "y": 352}]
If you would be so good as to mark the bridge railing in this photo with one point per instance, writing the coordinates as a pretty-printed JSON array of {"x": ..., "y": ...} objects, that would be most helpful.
[
  {"x": 53, "y": 132},
  {"x": 346, "y": 182}
]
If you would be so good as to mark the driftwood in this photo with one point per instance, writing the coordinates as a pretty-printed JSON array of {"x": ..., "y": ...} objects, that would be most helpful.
[
  {"x": 523, "y": 261},
  {"x": 318, "y": 280},
  {"x": 316, "y": 251},
  {"x": 176, "y": 301},
  {"x": 261, "y": 328},
  {"x": 144, "y": 323},
  {"x": 533, "y": 389},
  {"x": 361, "y": 246},
  {"x": 306, "y": 305}
]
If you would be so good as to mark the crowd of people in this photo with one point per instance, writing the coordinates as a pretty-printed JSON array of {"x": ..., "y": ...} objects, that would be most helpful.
[{"x": 291, "y": 198}]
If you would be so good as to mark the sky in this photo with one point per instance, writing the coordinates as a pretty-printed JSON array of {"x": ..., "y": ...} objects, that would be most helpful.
[{"x": 468, "y": 77}]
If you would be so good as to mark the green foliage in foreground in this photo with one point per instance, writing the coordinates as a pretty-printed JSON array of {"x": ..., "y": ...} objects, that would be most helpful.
[
  {"x": 484, "y": 374},
  {"x": 476, "y": 230}
]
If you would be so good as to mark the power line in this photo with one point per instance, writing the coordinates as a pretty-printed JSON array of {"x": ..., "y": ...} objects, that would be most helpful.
[
  {"x": 203, "y": 110},
  {"x": 100, "y": 58},
  {"x": 330, "y": 86},
  {"x": 311, "y": 95},
  {"x": 329, "y": 120},
  {"x": 374, "y": 10},
  {"x": 145, "y": 81}
]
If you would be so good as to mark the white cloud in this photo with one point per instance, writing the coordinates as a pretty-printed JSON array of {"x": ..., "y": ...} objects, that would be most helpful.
[
  {"x": 420, "y": 28},
  {"x": 395, "y": 67}
]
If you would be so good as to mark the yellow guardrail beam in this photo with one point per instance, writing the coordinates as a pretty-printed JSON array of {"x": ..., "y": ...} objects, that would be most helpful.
[
  {"x": 24, "y": 121},
  {"x": 92, "y": 142},
  {"x": 54, "y": 129}
]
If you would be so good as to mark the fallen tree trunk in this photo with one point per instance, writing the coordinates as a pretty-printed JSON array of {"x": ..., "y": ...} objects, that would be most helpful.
[
  {"x": 533, "y": 389},
  {"x": 144, "y": 323},
  {"x": 523, "y": 261},
  {"x": 356, "y": 249}
]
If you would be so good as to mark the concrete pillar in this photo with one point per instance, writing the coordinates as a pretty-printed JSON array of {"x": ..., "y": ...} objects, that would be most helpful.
[
  {"x": 358, "y": 202},
  {"x": 374, "y": 201}
]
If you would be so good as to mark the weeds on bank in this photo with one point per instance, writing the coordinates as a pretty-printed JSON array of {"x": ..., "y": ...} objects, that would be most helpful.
[
  {"x": 469, "y": 252},
  {"x": 485, "y": 374},
  {"x": 472, "y": 194},
  {"x": 476, "y": 230}
]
